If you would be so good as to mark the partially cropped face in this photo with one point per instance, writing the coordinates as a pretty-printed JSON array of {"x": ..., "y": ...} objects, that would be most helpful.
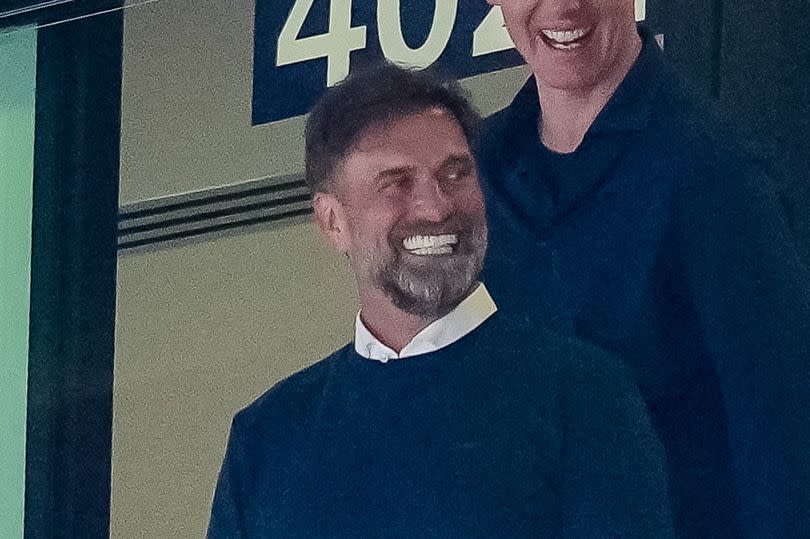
[
  {"x": 415, "y": 229},
  {"x": 572, "y": 44}
]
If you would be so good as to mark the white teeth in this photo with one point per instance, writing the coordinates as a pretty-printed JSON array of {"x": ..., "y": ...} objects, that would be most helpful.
[
  {"x": 426, "y": 245},
  {"x": 446, "y": 250},
  {"x": 565, "y": 36},
  {"x": 565, "y": 46}
]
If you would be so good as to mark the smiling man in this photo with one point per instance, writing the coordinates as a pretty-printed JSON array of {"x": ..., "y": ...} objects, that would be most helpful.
[
  {"x": 436, "y": 421},
  {"x": 621, "y": 215}
]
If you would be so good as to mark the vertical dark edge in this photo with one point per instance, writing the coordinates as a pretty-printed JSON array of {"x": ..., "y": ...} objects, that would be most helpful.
[
  {"x": 693, "y": 31},
  {"x": 70, "y": 377},
  {"x": 716, "y": 52}
]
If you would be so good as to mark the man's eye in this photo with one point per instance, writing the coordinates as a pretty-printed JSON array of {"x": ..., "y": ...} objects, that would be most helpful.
[{"x": 457, "y": 174}]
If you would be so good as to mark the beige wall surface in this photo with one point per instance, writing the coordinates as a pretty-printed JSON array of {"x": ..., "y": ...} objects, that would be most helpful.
[
  {"x": 205, "y": 326},
  {"x": 203, "y": 329},
  {"x": 186, "y": 102}
]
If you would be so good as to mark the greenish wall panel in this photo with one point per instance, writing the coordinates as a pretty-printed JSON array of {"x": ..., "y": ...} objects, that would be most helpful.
[{"x": 18, "y": 52}]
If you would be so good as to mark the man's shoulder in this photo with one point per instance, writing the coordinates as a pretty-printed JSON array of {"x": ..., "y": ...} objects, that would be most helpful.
[
  {"x": 292, "y": 399},
  {"x": 707, "y": 146},
  {"x": 499, "y": 120},
  {"x": 497, "y": 128},
  {"x": 585, "y": 379},
  {"x": 547, "y": 354},
  {"x": 695, "y": 127}
]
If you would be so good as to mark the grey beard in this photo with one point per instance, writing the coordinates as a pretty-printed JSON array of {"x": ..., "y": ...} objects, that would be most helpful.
[{"x": 435, "y": 289}]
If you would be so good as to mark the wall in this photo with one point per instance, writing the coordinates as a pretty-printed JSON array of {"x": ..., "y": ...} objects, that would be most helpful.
[
  {"x": 18, "y": 54},
  {"x": 203, "y": 329},
  {"x": 205, "y": 326}
]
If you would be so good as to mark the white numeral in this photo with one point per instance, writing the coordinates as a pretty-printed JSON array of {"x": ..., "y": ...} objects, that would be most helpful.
[
  {"x": 392, "y": 42},
  {"x": 641, "y": 10},
  {"x": 491, "y": 34},
  {"x": 342, "y": 38},
  {"x": 335, "y": 45}
]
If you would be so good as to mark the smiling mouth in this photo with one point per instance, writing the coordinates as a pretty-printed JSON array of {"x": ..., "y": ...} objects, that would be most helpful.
[
  {"x": 442, "y": 244},
  {"x": 565, "y": 39}
]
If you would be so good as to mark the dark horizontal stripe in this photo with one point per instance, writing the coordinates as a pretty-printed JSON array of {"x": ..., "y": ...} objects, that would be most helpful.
[
  {"x": 208, "y": 200},
  {"x": 214, "y": 228},
  {"x": 27, "y": 7},
  {"x": 208, "y": 215},
  {"x": 22, "y": 13}
]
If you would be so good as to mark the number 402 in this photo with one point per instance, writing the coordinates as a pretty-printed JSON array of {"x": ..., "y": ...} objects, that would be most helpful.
[{"x": 342, "y": 38}]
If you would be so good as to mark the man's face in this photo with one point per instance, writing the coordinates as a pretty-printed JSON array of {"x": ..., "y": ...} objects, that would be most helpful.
[
  {"x": 572, "y": 44},
  {"x": 411, "y": 213}
]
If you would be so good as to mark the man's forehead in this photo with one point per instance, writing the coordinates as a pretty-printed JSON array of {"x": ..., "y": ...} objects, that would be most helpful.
[
  {"x": 418, "y": 130},
  {"x": 403, "y": 122}
]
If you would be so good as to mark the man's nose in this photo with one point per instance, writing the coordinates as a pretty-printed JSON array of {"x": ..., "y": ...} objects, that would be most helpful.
[{"x": 429, "y": 201}]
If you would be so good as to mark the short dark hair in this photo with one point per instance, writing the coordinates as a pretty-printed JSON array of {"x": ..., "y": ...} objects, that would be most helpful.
[{"x": 379, "y": 94}]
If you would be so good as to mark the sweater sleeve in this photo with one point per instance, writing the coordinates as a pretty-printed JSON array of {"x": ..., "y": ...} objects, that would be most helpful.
[
  {"x": 614, "y": 482},
  {"x": 226, "y": 511},
  {"x": 751, "y": 293}
]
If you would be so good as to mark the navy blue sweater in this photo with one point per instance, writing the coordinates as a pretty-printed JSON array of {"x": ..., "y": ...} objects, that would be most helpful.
[
  {"x": 495, "y": 435},
  {"x": 661, "y": 242}
]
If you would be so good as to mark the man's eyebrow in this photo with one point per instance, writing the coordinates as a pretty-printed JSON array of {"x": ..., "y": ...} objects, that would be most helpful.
[
  {"x": 460, "y": 158},
  {"x": 393, "y": 172}
]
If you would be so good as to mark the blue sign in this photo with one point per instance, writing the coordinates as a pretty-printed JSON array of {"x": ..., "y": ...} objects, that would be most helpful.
[{"x": 303, "y": 46}]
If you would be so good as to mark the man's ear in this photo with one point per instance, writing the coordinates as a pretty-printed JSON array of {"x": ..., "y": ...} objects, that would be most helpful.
[{"x": 331, "y": 218}]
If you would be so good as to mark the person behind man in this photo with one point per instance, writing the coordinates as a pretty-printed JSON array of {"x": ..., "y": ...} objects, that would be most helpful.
[
  {"x": 620, "y": 215},
  {"x": 435, "y": 421}
]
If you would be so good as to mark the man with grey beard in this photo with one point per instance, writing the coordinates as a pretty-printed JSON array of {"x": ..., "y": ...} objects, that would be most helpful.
[{"x": 436, "y": 420}]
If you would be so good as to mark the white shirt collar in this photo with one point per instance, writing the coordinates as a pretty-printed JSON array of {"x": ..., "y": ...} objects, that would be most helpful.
[{"x": 467, "y": 315}]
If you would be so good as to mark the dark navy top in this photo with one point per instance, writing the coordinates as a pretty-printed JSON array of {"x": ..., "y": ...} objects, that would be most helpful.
[
  {"x": 495, "y": 435},
  {"x": 657, "y": 239}
]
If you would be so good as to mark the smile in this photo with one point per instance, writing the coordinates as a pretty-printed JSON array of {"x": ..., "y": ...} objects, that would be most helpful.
[
  {"x": 430, "y": 245},
  {"x": 565, "y": 39}
]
